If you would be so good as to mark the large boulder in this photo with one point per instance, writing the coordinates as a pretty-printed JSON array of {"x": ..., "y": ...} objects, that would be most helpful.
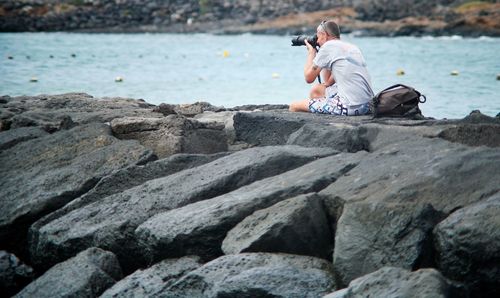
[
  {"x": 12, "y": 137},
  {"x": 43, "y": 174},
  {"x": 392, "y": 282},
  {"x": 129, "y": 177},
  {"x": 297, "y": 226},
  {"x": 257, "y": 275},
  {"x": 171, "y": 134},
  {"x": 468, "y": 246},
  {"x": 87, "y": 274},
  {"x": 404, "y": 166},
  {"x": 371, "y": 235},
  {"x": 110, "y": 223},
  {"x": 151, "y": 282},
  {"x": 14, "y": 274},
  {"x": 200, "y": 228}
]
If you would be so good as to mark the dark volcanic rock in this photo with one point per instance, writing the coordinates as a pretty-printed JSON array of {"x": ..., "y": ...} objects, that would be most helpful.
[
  {"x": 87, "y": 274},
  {"x": 370, "y": 236},
  {"x": 14, "y": 275},
  {"x": 201, "y": 227},
  {"x": 340, "y": 137},
  {"x": 257, "y": 275},
  {"x": 41, "y": 175},
  {"x": 153, "y": 281},
  {"x": 391, "y": 282},
  {"x": 170, "y": 135},
  {"x": 468, "y": 246},
  {"x": 296, "y": 226},
  {"x": 129, "y": 177},
  {"x": 15, "y": 136},
  {"x": 110, "y": 223}
]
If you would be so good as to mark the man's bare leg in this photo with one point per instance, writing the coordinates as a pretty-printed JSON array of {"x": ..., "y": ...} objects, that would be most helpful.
[{"x": 299, "y": 106}]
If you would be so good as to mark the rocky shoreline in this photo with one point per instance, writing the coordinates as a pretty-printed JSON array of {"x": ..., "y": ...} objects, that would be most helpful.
[
  {"x": 372, "y": 17},
  {"x": 115, "y": 197}
]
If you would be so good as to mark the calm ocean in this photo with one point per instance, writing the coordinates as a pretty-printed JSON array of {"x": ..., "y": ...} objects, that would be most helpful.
[{"x": 242, "y": 69}]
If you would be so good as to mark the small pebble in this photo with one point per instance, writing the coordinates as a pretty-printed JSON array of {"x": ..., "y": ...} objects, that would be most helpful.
[{"x": 73, "y": 55}]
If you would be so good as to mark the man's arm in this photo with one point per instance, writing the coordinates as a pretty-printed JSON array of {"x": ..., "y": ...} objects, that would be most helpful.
[
  {"x": 328, "y": 78},
  {"x": 311, "y": 71}
]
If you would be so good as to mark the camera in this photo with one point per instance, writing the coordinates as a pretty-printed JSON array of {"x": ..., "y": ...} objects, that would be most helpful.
[{"x": 300, "y": 40}]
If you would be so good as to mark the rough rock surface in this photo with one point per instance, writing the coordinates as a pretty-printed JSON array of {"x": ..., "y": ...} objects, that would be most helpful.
[
  {"x": 110, "y": 223},
  {"x": 296, "y": 226},
  {"x": 370, "y": 236},
  {"x": 200, "y": 228},
  {"x": 39, "y": 175},
  {"x": 152, "y": 282},
  {"x": 12, "y": 137},
  {"x": 257, "y": 275},
  {"x": 392, "y": 282},
  {"x": 87, "y": 274},
  {"x": 14, "y": 274},
  {"x": 170, "y": 135},
  {"x": 468, "y": 246}
]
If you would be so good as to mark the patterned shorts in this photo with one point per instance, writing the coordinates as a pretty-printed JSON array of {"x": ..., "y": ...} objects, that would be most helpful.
[{"x": 335, "y": 107}]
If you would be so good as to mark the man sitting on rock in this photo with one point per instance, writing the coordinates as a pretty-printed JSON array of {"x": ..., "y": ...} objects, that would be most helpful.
[{"x": 347, "y": 85}]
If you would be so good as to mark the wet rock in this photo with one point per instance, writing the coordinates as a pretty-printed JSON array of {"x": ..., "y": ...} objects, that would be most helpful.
[
  {"x": 340, "y": 137},
  {"x": 170, "y": 135},
  {"x": 296, "y": 226},
  {"x": 153, "y": 281},
  {"x": 200, "y": 228},
  {"x": 129, "y": 177},
  {"x": 392, "y": 282},
  {"x": 87, "y": 274},
  {"x": 43, "y": 174},
  {"x": 257, "y": 275},
  {"x": 370, "y": 236},
  {"x": 110, "y": 223},
  {"x": 14, "y": 275},
  {"x": 468, "y": 246},
  {"x": 12, "y": 137}
]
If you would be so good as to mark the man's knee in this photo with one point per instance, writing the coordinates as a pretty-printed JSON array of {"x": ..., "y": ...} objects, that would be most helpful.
[{"x": 317, "y": 91}]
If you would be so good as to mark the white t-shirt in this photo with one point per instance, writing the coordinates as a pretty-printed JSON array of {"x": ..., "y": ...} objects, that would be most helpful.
[{"x": 348, "y": 67}]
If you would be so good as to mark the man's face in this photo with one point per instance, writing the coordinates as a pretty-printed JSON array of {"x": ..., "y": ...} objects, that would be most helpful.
[{"x": 321, "y": 36}]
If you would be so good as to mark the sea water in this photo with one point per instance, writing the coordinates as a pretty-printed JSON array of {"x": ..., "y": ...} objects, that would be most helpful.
[{"x": 232, "y": 70}]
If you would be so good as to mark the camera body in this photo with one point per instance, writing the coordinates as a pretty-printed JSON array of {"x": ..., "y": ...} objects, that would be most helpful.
[{"x": 300, "y": 40}]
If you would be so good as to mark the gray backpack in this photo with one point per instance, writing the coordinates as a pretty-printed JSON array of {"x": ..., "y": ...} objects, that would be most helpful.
[{"x": 397, "y": 101}]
